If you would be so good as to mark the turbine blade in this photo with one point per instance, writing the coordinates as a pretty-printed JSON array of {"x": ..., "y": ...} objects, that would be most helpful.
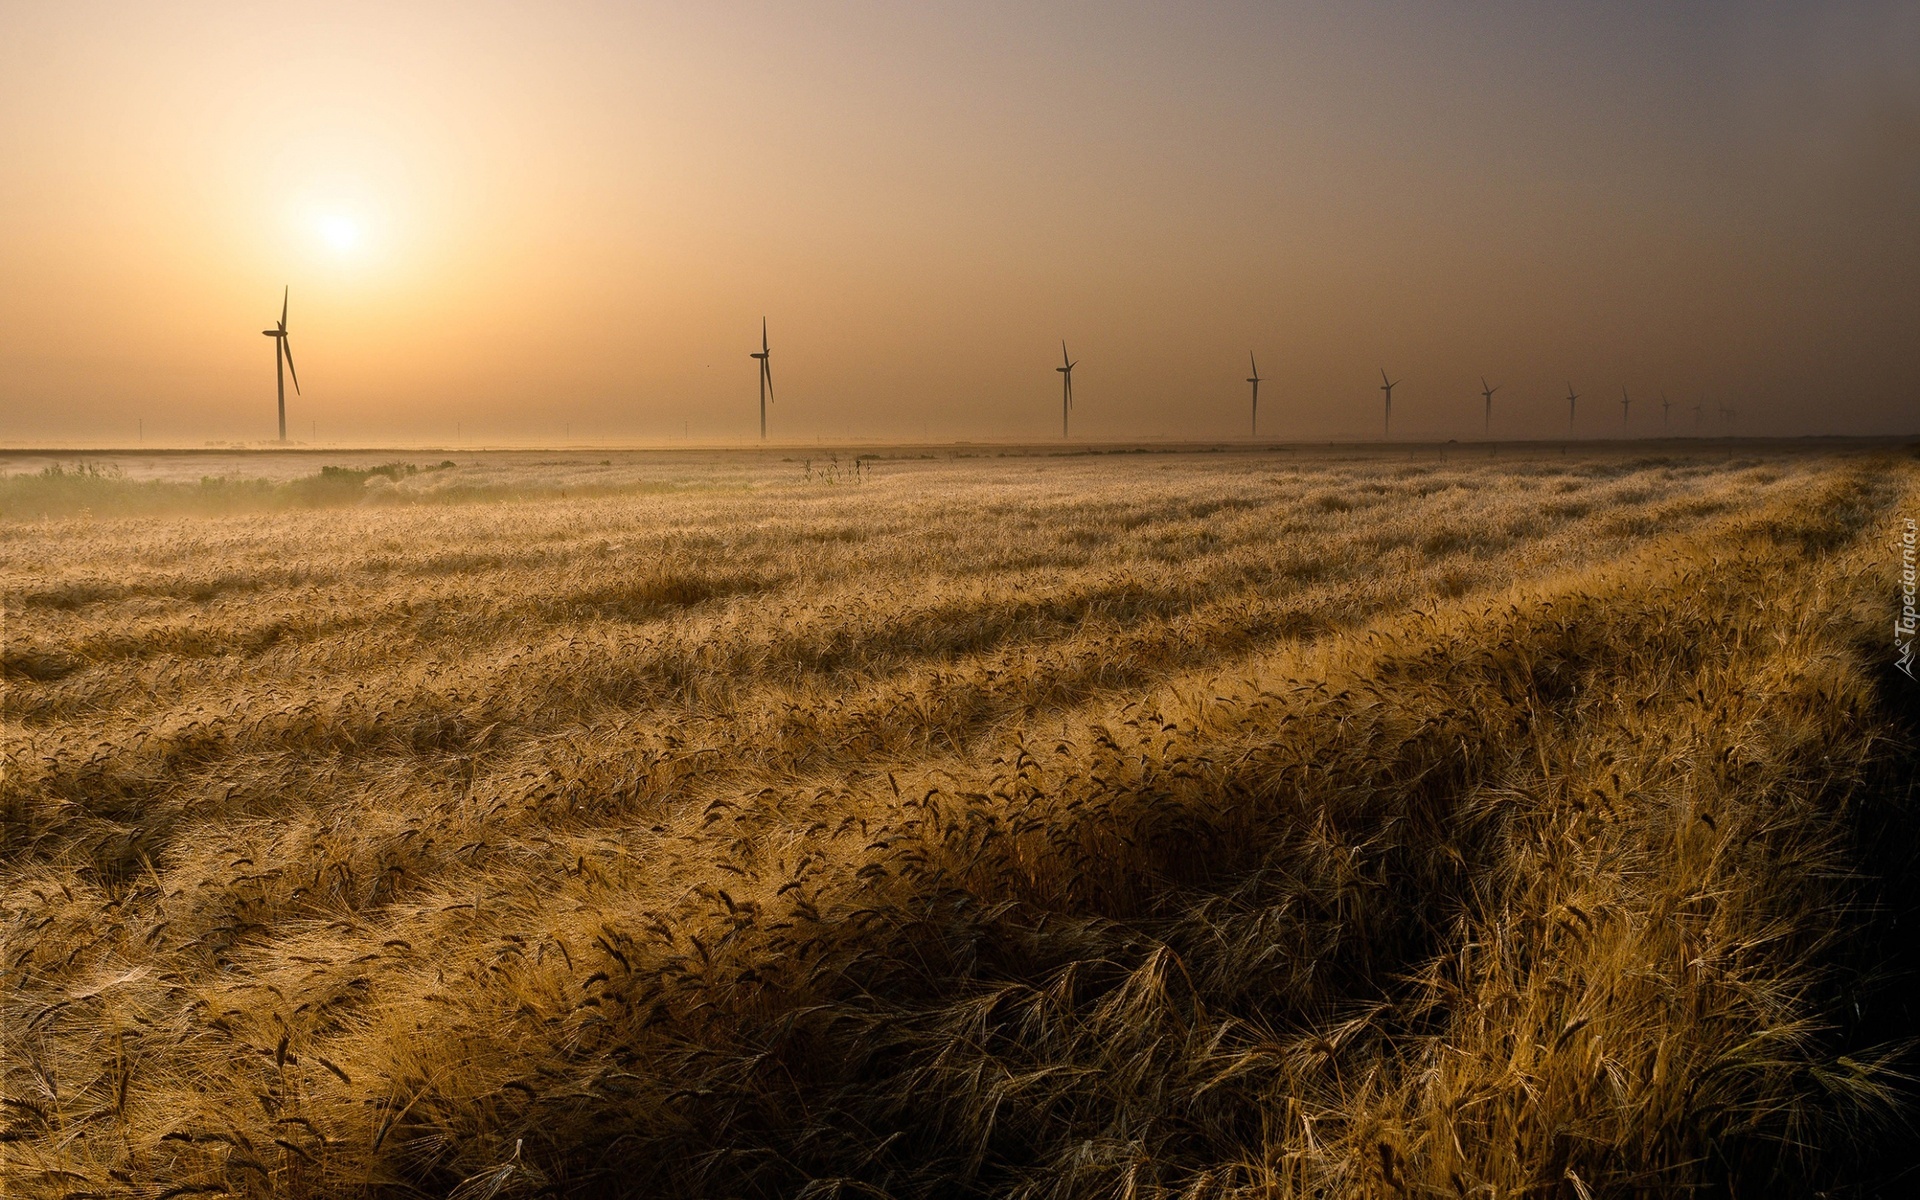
[
  {"x": 283, "y": 306},
  {"x": 287, "y": 347}
]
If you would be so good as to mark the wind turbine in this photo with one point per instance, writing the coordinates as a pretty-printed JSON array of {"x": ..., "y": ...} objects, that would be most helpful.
[
  {"x": 1696, "y": 414},
  {"x": 1253, "y": 426},
  {"x": 1665, "y": 404},
  {"x": 766, "y": 377},
  {"x": 1387, "y": 386},
  {"x": 1488, "y": 393},
  {"x": 1626, "y": 406},
  {"x": 1066, "y": 388},
  {"x": 283, "y": 362},
  {"x": 1573, "y": 399}
]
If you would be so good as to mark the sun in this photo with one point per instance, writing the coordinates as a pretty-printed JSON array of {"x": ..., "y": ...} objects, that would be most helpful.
[{"x": 341, "y": 233}]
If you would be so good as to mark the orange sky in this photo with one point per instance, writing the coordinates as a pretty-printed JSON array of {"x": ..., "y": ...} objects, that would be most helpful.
[{"x": 535, "y": 219}]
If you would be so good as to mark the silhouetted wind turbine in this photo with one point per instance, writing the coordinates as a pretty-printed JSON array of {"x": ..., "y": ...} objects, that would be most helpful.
[
  {"x": 1253, "y": 425},
  {"x": 283, "y": 362},
  {"x": 766, "y": 377},
  {"x": 1066, "y": 388},
  {"x": 1573, "y": 398},
  {"x": 1488, "y": 393},
  {"x": 1387, "y": 386},
  {"x": 1665, "y": 404},
  {"x": 1626, "y": 405},
  {"x": 1696, "y": 415}
]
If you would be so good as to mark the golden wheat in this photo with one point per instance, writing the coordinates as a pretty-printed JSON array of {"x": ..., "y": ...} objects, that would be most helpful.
[{"x": 1157, "y": 825}]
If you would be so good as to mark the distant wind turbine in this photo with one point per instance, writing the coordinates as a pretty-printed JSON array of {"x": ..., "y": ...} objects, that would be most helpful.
[
  {"x": 1066, "y": 388},
  {"x": 1626, "y": 406},
  {"x": 1387, "y": 386},
  {"x": 1253, "y": 425},
  {"x": 1573, "y": 399},
  {"x": 1488, "y": 393},
  {"x": 1697, "y": 409},
  {"x": 1665, "y": 404},
  {"x": 283, "y": 362},
  {"x": 766, "y": 377}
]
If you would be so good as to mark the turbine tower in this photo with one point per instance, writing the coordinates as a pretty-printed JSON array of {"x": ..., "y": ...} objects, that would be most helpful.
[
  {"x": 1573, "y": 399},
  {"x": 283, "y": 362},
  {"x": 1066, "y": 388},
  {"x": 765, "y": 356},
  {"x": 1488, "y": 392},
  {"x": 1387, "y": 386},
  {"x": 1626, "y": 406},
  {"x": 1253, "y": 426}
]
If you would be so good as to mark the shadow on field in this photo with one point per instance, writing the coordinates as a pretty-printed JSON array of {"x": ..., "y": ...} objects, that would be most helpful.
[{"x": 1879, "y": 996}]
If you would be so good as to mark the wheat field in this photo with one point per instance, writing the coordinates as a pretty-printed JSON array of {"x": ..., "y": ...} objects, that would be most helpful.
[{"x": 1001, "y": 824}]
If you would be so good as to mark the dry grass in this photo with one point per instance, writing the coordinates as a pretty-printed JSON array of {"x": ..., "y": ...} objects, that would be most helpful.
[{"x": 1172, "y": 826}]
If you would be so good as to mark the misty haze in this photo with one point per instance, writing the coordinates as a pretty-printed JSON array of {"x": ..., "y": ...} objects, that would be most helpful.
[{"x": 855, "y": 600}]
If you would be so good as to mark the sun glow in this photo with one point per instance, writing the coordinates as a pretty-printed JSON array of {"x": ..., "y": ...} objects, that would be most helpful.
[{"x": 341, "y": 233}]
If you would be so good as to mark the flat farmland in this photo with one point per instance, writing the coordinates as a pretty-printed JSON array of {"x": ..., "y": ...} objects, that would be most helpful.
[{"x": 936, "y": 823}]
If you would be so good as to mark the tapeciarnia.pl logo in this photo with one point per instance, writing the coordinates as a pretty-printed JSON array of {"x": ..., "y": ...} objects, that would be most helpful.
[{"x": 1903, "y": 629}]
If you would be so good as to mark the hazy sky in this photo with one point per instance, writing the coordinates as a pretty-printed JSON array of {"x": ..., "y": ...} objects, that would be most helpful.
[{"x": 524, "y": 217}]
